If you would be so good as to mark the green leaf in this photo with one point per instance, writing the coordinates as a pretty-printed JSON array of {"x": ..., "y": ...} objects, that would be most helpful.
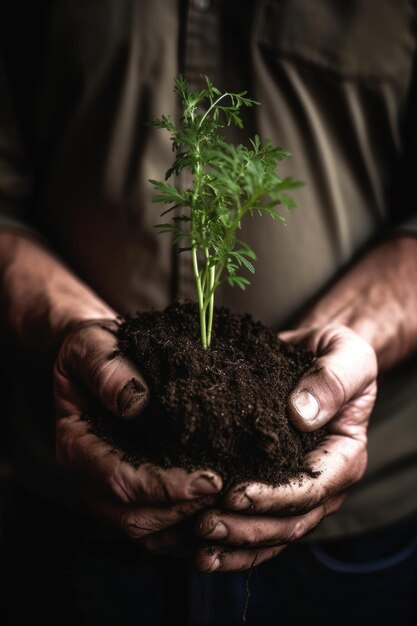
[
  {"x": 246, "y": 250},
  {"x": 181, "y": 218},
  {"x": 245, "y": 262},
  {"x": 227, "y": 182},
  {"x": 238, "y": 281},
  {"x": 288, "y": 202},
  {"x": 167, "y": 193}
]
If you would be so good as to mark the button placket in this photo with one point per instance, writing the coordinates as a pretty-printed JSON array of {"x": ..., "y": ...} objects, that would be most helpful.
[{"x": 202, "y": 52}]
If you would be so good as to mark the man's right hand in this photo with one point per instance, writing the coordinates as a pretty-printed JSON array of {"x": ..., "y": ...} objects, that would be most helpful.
[{"x": 139, "y": 501}]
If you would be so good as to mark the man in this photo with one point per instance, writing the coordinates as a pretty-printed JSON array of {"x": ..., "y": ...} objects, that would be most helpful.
[{"x": 336, "y": 87}]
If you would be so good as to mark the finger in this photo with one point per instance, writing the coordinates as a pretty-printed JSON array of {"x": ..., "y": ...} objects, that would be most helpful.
[
  {"x": 140, "y": 522},
  {"x": 90, "y": 354},
  {"x": 176, "y": 541},
  {"x": 102, "y": 470},
  {"x": 252, "y": 531},
  {"x": 338, "y": 462},
  {"x": 217, "y": 559},
  {"x": 345, "y": 367}
]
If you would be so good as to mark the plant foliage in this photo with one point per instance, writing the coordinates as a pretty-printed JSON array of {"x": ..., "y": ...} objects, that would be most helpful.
[{"x": 228, "y": 182}]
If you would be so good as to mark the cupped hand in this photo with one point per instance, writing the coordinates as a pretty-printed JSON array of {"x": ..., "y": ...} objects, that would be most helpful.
[
  {"x": 139, "y": 501},
  {"x": 256, "y": 521}
]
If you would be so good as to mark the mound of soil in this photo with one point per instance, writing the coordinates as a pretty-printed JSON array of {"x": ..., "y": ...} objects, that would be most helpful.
[{"x": 223, "y": 408}]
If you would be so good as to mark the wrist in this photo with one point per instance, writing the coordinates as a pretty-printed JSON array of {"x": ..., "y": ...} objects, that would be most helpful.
[
  {"x": 41, "y": 299},
  {"x": 376, "y": 298}
]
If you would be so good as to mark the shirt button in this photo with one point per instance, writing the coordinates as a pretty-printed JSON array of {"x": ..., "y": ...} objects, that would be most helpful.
[{"x": 203, "y": 5}]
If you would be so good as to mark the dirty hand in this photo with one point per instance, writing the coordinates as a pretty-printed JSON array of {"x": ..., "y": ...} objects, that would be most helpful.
[
  {"x": 255, "y": 521},
  {"x": 139, "y": 501}
]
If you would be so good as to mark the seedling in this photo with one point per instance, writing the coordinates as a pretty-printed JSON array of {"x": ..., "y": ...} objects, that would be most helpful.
[{"x": 228, "y": 182}]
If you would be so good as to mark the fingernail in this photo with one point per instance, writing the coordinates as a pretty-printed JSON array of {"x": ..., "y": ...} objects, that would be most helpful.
[
  {"x": 203, "y": 485},
  {"x": 215, "y": 565},
  {"x": 220, "y": 531},
  {"x": 132, "y": 399},
  {"x": 306, "y": 405}
]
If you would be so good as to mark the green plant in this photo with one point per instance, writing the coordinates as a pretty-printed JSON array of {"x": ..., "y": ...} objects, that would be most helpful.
[{"x": 228, "y": 182}]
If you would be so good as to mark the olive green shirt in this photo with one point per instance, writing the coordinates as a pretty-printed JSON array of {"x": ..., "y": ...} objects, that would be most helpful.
[{"x": 335, "y": 80}]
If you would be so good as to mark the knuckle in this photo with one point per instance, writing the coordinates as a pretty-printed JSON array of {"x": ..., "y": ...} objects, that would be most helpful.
[
  {"x": 350, "y": 470},
  {"x": 311, "y": 501},
  {"x": 333, "y": 504},
  {"x": 253, "y": 534},
  {"x": 137, "y": 526},
  {"x": 361, "y": 466},
  {"x": 369, "y": 358},
  {"x": 99, "y": 370},
  {"x": 334, "y": 384},
  {"x": 118, "y": 485},
  {"x": 297, "y": 530},
  {"x": 357, "y": 468},
  {"x": 131, "y": 527},
  {"x": 155, "y": 485},
  {"x": 161, "y": 486},
  {"x": 323, "y": 492}
]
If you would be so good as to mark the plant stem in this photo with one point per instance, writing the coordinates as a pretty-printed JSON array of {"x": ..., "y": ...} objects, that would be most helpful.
[
  {"x": 208, "y": 289},
  {"x": 211, "y": 305},
  {"x": 201, "y": 309},
  {"x": 212, "y": 107},
  {"x": 202, "y": 285}
]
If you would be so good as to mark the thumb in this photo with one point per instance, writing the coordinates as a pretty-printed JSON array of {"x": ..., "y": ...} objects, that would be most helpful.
[
  {"x": 345, "y": 366},
  {"x": 90, "y": 354}
]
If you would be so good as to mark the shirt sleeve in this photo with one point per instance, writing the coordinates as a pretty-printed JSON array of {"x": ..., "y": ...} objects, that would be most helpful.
[
  {"x": 404, "y": 197},
  {"x": 16, "y": 180}
]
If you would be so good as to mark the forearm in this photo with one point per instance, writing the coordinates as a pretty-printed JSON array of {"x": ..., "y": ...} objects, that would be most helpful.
[
  {"x": 40, "y": 298},
  {"x": 377, "y": 298}
]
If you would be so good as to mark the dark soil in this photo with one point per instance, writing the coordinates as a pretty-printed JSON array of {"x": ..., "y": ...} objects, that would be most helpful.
[{"x": 223, "y": 408}]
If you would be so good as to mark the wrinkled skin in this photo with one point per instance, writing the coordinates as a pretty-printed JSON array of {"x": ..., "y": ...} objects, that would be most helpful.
[
  {"x": 137, "y": 501},
  {"x": 368, "y": 315},
  {"x": 46, "y": 310},
  {"x": 251, "y": 523}
]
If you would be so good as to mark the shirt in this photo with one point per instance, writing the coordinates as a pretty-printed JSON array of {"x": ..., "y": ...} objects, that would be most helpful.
[{"x": 336, "y": 86}]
